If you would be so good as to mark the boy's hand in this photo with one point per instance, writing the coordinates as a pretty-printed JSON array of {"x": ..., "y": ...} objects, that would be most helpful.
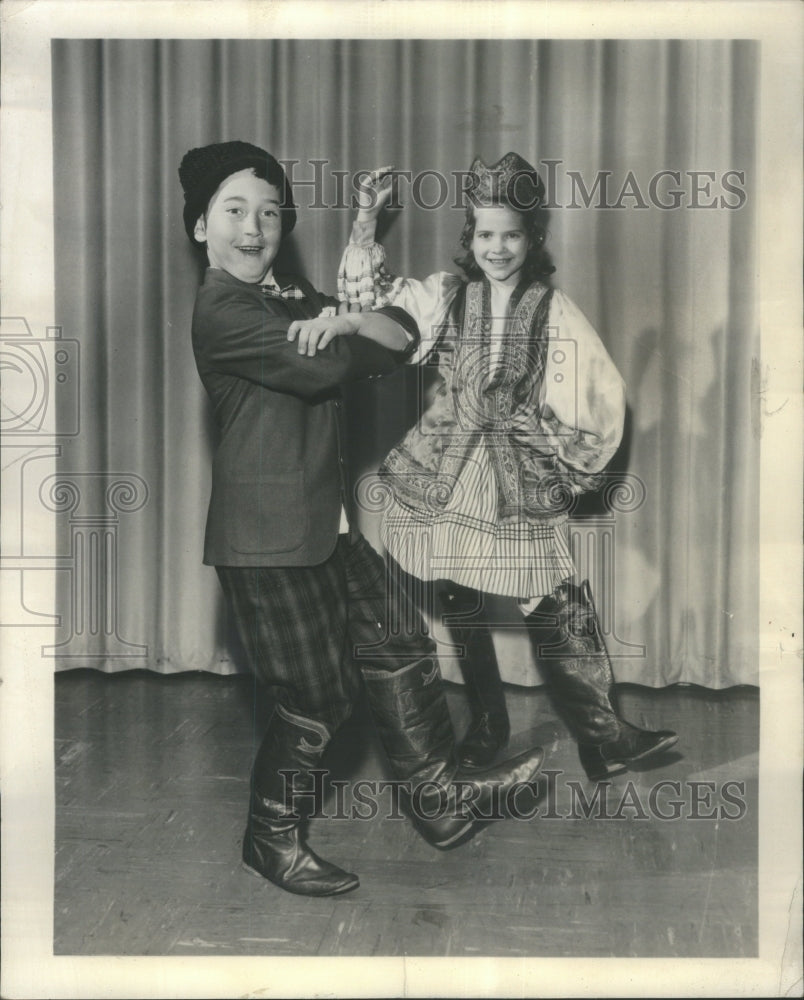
[
  {"x": 374, "y": 193},
  {"x": 314, "y": 334},
  {"x": 342, "y": 307}
]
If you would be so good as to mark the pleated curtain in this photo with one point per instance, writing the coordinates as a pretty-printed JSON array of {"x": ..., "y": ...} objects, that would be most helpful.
[{"x": 672, "y": 292}]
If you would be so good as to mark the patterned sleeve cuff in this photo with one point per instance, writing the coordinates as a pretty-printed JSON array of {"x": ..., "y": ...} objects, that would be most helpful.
[{"x": 362, "y": 277}]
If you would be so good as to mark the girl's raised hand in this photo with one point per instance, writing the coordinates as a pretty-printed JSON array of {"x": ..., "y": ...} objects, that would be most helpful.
[{"x": 374, "y": 192}]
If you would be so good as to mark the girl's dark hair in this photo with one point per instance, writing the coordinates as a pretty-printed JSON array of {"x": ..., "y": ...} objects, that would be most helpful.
[{"x": 537, "y": 266}]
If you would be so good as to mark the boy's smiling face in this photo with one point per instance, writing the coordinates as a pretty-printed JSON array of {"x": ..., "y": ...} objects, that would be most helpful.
[{"x": 242, "y": 226}]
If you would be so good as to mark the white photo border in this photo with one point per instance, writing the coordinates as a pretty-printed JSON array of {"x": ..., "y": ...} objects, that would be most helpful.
[{"x": 29, "y": 967}]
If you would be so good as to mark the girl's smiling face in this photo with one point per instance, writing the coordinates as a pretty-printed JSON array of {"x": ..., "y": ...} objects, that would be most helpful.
[{"x": 500, "y": 243}]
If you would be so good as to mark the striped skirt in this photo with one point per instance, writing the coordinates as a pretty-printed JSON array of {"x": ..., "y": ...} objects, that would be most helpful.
[{"x": 465, "y": 543}]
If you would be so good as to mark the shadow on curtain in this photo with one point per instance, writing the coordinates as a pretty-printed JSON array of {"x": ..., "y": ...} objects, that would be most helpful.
[{"x": 649, "y": 151}]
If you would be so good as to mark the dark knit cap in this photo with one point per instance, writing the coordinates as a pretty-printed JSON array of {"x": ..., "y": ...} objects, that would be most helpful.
[{"x": 203, "y": 169}]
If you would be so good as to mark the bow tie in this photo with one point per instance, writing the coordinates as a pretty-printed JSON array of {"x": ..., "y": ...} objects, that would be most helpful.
[{"x": 288, "y": 292}]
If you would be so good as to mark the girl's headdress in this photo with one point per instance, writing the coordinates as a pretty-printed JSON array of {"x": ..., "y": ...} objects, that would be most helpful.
[{"x": 511, "y": 180}]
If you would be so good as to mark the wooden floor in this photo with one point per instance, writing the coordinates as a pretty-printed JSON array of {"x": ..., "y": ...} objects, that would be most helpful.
[{"x": 151, "y": 784}]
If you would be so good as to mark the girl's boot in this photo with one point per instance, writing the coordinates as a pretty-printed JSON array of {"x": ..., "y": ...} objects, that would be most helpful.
[{"x": 566, "y": 634}]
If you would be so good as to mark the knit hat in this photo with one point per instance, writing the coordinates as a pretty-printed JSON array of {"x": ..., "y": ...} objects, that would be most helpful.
[
  {"x": 511, "y": 180},
  {"x": 203, "y": 169}
]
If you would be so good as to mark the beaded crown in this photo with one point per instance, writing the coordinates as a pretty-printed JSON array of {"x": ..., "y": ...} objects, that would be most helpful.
[{"x": 511, "y": 180}]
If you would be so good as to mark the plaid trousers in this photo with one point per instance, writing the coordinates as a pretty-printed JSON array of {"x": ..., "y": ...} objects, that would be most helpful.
[{"x": 307, "y": 630}]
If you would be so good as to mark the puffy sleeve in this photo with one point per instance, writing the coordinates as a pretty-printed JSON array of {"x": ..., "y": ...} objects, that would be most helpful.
[
  {"x": 584, "y": 395},
  {"x": 364, "y": 281}
]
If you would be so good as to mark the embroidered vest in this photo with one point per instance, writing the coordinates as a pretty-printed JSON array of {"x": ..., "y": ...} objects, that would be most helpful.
[{"x": 500, "y": 406}]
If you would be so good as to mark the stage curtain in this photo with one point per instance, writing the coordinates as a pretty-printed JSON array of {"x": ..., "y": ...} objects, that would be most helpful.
[{"x": 672, "y": 291}]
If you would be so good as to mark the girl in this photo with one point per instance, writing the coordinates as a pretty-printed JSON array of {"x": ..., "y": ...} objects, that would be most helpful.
[{"x": 526, "y": 411}]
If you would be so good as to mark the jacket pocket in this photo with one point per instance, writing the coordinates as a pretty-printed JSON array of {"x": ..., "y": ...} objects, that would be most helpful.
[{"x": 267, "y": 513}]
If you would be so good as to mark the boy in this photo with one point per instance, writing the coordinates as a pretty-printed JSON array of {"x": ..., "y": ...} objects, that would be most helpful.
[{"x": 303, "y": 586}]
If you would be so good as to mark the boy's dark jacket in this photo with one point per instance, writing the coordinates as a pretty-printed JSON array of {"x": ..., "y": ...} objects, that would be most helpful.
[{"x": 278, "y": 477}]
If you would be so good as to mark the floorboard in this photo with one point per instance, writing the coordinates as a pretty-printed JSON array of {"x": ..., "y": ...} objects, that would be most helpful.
[{"x": 151, "y": 788}]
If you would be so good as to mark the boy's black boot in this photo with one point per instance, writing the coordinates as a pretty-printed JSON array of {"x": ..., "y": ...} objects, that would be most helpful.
[
  {"x": 566, "y": 635},
  {"x": 412, "y": 719},
  {"x": 490, "y": 728},
  {"x": 274, "y": 845}
]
